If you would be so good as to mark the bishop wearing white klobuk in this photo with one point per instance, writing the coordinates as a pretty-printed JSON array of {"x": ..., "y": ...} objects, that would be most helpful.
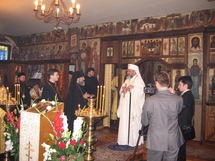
[{"x": 130, "y": 106}]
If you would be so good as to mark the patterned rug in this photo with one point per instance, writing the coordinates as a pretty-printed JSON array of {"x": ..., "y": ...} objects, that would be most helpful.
[
  {"x": 107, "y": 149},
  {"x": 118, "y": 147}
]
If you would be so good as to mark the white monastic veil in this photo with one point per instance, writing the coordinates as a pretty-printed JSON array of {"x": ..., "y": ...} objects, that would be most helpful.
[{"x": 136, "y": 69}]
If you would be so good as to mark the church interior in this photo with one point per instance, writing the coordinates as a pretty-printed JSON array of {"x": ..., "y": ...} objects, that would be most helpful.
[{"x": 173, "y": 36}]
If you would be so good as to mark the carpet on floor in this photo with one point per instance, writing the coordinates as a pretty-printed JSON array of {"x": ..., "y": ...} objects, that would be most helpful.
[{"x": 107, "y": 149}]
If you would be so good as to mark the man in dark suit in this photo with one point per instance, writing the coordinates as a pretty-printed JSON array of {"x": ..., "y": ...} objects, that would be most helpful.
[
  {"x": 91, "y": 81},
  {"x": 24, "y": 91},
  {"x": 186, "y": 115},
  {"x": 160, "y": 112}
]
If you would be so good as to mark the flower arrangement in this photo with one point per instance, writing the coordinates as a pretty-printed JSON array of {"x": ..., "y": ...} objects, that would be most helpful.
[
  {"x": 12, "y": 129},
  {"x": 63, "y": 146}
]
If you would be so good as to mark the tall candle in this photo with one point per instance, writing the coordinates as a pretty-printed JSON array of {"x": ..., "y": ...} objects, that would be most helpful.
[
  {"x": 18, "y": 97},
  {"x": 103, "y": 103},
  {"x": 2, "y": 94},
  {"x": 7, "y": 98},
  {"x": 97, "y": 98},
  {"x": 104, "y": 90},
  {"x": 18, "y": 93},
  {"x": 15, "y": 91},
  {"x": 100, "y": 97}
]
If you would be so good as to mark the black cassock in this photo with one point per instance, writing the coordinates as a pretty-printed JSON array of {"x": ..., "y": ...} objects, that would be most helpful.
[
  {"x": 50, "y": 92},
  {"x": 74, "y": 98}
]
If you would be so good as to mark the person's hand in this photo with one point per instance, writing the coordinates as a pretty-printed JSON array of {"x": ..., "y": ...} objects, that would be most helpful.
[
  {"x": 86, "y": 95},
  {"x": 92, "y": 95},
  {"x": 130, "y": 87},
  {"x": 127, "y": 89}
]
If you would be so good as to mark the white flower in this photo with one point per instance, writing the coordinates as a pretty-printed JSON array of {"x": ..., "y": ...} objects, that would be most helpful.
[
  {"x": 34, "y": 105},
  {"x": 48, "y": 151},
  {"x": 7, "y": 135},
  {"x": 9, "y": 145},
  {"x": 46, "y": 146},
  {"x": 43, "y": 100},
  {"x": 77, "y": 126},
  {"x": 48, "y": 108},
  {"x": 22, "y": 107},
  {"x": 53, "y": 103}
]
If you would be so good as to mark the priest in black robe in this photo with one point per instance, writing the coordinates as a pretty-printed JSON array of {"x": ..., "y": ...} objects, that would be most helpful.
[
  {"x": 50, "y": 92},
  {"x": 76, "y": 97}
]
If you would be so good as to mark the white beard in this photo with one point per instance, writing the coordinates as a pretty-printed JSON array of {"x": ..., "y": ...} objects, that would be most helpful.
[{"x": 81, "y": 83}]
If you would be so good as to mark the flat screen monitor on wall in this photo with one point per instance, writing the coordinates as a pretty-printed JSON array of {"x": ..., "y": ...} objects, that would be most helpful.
[{"x": 4, "y": 52}]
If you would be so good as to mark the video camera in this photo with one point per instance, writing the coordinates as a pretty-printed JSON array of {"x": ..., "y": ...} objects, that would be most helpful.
[{"x": 150, "y": 89}]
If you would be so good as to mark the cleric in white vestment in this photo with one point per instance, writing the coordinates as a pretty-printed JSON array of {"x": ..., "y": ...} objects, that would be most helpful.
[{"x": 132, "y": 98}]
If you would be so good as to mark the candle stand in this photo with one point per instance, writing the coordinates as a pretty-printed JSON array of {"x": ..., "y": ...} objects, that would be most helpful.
[
  {"x": 8, "y": 105},
  {"x": 91, "y": 116}
]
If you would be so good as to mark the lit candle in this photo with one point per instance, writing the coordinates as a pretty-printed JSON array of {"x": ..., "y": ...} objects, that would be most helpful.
[
  {"x": 43, "y": 9},
  {"x": 36, "y": 5},
  {"x": 18, "y": 97},
  {"x": 73, "y": 3},
  {"x": 100, "y": 97},
  {"x": 2, "y": 94},
  {"x": 18, "y": 93},
  {"x": 103, "y": 103},
  {"x": 15, "y": 91},
  {"x": 71, "y": 11},
  {"x": 57, "y": 13},
  {"x": 78, "y": 8},
  {"x": 97, "y": 98},
  {"x": 7, "y": 98},
  {"x": 104, "y": 90}
]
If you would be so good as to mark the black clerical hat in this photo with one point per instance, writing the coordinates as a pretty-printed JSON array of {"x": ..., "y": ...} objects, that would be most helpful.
[
  {"x": 21, "y": 74},
  {"x": 79, "y": 73},
  {"x": 71, "y": 72}
]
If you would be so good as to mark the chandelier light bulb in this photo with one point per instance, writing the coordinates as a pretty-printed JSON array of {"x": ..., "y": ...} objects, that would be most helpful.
[
  {"x": 43, "y": 9},
  {"x": 71, "y": 10},
  {"x": 36, "y": 5},
  {"x": 78, "y": 8},
  {"x": 57, "y": 12}
]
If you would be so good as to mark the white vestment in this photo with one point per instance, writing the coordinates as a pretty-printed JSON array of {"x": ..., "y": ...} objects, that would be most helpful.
[{"x": 136, "y": 104}]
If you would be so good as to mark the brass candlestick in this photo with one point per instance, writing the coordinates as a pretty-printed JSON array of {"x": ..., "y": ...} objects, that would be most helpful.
[
  {"x": 8, "y": 110},
  {"x": 91, "y": 116}
]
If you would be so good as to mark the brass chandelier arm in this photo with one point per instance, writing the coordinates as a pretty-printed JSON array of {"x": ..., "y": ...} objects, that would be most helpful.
[{"x": 57, "y": 13}]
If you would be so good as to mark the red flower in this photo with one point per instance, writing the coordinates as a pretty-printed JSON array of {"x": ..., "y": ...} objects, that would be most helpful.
[
  {"x": 72, "y": 142},
  {"x": 81, "y": 142},
  {"x": 18, "y": 123},
  {"x": 62, "y": 158},
  {"x": 61, "y": 145}
]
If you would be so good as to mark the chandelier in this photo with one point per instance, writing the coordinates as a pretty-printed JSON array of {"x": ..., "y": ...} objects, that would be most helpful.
[{"x": 57, "y": 12}]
